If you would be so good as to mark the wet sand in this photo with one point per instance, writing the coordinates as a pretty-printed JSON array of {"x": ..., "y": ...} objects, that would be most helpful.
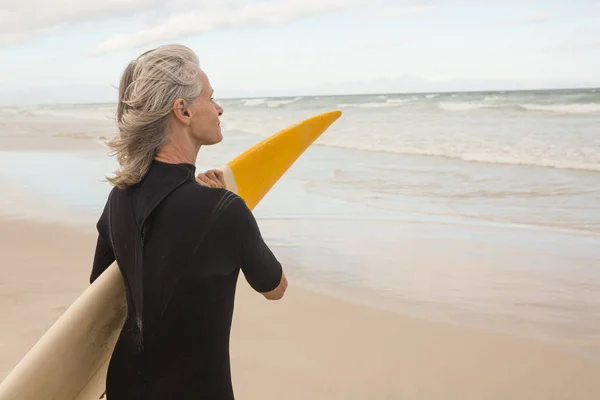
[{"x": 306, "y": 346}]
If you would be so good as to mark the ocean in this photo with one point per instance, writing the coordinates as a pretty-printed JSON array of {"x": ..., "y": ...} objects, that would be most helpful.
[{"x": 472, "y": 208}]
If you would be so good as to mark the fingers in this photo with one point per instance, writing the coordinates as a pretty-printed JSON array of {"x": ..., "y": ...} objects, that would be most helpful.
[
  {"x": 217, "y": 176},
  {"x": 212, "y": 179},
  {"x": 205, "y": 181},
  {"x": 221, "y": 176}
]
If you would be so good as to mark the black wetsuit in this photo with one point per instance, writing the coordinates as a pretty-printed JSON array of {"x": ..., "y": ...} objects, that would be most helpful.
[{"x": 180, "y": 247}]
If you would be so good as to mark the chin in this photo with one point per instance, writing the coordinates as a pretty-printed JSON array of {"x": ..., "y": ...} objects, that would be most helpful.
[
  {"x": 216, "y": 139},
  {"x": 209, "y": 140}
]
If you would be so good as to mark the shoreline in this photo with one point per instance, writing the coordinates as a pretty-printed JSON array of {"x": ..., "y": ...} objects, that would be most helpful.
[
  {"x": 357, "y": 295},
  {"x": 461, "y": 293},
  {"x": 337, "y": 349},
  {"x": 438, "y": 264},
  {"x": 23, "y": 207}
]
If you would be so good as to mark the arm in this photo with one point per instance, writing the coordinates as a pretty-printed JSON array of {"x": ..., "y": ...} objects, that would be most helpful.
[
  {"x": 259, "y": 265},
  {"x": 261, "y": 268},
  {"x": 279, "y": 291},
  {"x": 103, "y": 258},
  {"x": 104, "y": 255}
]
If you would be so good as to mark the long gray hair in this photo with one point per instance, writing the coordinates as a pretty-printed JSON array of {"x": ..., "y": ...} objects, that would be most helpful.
[{"x": 149, "y": 86}]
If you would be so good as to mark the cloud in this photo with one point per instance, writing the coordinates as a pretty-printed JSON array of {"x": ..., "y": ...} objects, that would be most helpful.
[
  {"x": 166, "y": 20},
  {"x": 224, "y": 15},
  {"x": 535, "y": 18},
  {"x": 174, "y": 19},
  {"x": 21, "y": 20},
  {"x": 398, "y": 12}
]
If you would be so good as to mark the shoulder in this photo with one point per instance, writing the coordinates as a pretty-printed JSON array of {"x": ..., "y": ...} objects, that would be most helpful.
[
  {"x": 201, "y": 199},
  {"x": 193, "y": 192}
]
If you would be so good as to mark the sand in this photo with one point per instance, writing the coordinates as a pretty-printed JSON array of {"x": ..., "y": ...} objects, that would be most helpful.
[{"x": 306, "y": 346}]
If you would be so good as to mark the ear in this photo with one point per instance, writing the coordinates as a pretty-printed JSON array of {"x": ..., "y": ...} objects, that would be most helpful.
[{"x": 182, "y": 111}]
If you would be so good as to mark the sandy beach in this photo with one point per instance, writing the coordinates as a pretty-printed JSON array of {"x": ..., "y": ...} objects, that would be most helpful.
[
  {"x": 307, "y": 346},
  {"x": 411, "y": 276},
  {"x": 441, "y": 238}
]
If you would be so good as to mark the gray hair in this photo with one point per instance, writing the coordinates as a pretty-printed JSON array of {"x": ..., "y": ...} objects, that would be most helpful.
[{"x": 149, "y": 86}]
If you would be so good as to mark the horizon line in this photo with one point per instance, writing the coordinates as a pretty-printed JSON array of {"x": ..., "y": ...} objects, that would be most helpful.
[{"x": 349, "y": 94}]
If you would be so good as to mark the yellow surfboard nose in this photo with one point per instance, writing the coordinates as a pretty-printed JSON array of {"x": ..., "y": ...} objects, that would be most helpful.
[{"x": 256, "y": 170}]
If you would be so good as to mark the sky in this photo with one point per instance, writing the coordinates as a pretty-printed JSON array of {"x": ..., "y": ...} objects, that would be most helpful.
[{"x": 75, "y": 50}]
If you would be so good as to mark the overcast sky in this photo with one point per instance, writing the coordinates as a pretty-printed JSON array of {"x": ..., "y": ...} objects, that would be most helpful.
[{"x": 74, "y": 50}]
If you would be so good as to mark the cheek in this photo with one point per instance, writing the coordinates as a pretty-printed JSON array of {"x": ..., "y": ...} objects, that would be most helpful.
[
  {"x": 209, "y": 115},
  {"x": 203, "y": 119},
  {"x": 205, "y": 123},
  {"x": 212, "y": 118}
]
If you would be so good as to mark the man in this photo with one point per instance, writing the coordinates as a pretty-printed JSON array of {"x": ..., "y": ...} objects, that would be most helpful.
[{"x": 179, "y": 239}]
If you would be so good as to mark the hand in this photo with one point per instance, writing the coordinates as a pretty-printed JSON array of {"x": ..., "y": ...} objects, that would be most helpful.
[{"x": 212, "y": 178}]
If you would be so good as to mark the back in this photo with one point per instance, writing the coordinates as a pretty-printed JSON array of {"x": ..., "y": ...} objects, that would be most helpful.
[{"x": 180, "y": 247}]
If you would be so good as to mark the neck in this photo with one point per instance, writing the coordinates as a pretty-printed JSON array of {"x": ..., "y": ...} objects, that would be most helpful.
[{"x": 182, "y": 151}]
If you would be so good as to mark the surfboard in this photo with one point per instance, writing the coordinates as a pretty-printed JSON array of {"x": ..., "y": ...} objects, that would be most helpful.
[{"x": 71, "y": 359}]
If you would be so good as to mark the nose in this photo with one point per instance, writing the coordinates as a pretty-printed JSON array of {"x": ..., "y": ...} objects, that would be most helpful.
[{"x": 219, "y": 110}]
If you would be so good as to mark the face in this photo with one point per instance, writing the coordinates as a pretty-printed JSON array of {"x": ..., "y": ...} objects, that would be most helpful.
[{"x": 202, "y": 116}]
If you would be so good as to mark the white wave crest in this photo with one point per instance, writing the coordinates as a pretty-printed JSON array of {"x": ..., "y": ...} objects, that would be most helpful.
[
  {"x": 388, "y": 103},
  {"x": 253, "y": 102},
  {"x": 589, "y": 108},
  {"x": 482, "y": 156},
  {"x": 401, "y": 101},
  {"x": 365, "y": 105},
  {"x": 272, "y": 103},
  {"x": 277, "y": 103},
  {"x": 80, "y": 136},
  {"x": 491, "y": 98},
  {"x": 460, "y": 106}
]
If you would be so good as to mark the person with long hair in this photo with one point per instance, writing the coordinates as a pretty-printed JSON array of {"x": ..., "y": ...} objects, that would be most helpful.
[{"x": 179, "y": 238}]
